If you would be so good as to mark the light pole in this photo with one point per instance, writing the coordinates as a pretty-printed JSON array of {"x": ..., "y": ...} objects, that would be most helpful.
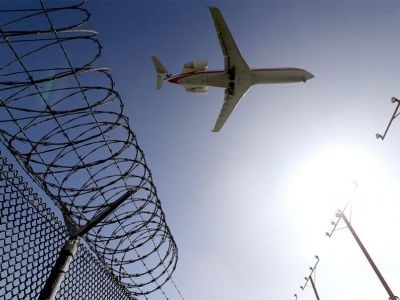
[
  {"x": 341, "y": 215},
  {"x": 311, "y": 280}
]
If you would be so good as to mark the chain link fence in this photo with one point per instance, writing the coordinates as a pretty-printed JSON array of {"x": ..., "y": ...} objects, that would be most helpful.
[
  {"x": 31, "y": 237},
  {"x": 64, "y": 124}
]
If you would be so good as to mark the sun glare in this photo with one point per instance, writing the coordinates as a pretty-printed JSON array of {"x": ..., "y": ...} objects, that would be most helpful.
[{"x": 332, "y": 175}]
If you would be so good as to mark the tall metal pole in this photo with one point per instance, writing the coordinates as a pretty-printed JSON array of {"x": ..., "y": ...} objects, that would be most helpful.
[
  {"x": 340, "y": 214},
  {"x": 314, "y": 288}
]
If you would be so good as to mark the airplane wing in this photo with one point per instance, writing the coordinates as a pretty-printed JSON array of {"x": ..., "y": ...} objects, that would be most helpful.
[
  {"x": 232, "y": 97},
  {"x": 234, "y": 63},
  {"x": 232, "y": 57}
]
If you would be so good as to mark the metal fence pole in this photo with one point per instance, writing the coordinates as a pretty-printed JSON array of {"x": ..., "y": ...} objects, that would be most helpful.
[{"x": 61, "y": 266}]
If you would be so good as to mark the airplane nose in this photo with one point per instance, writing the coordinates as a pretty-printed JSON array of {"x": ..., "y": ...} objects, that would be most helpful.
[{"x": 308, "y": 76}]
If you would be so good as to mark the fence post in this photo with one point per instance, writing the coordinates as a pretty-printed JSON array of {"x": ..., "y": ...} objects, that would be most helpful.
[{"x": 61, "y": 266}]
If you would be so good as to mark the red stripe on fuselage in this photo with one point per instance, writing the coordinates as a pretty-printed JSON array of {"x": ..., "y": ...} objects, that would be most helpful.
[
  {"x": 277, "y": 69},
  {"x": 177, "y": 78}
]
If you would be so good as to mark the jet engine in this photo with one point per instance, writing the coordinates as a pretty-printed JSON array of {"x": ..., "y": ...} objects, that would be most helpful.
[
  {"x": 196, "y": 65},
  {"x": 197, "y": 89}
]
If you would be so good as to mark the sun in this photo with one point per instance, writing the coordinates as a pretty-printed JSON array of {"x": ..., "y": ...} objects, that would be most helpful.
[
  {"x": 332, "y": 170},
  {"x": 325, "y": 180}
]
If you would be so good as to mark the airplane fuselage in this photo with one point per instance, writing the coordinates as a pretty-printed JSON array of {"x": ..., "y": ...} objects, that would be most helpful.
[
  {"x": 220, "y": 78},
  {"x": 236, "y": 77}
]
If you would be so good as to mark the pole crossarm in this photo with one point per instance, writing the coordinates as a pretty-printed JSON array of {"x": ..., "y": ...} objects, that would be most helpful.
[
  {"x": 310, "y": 279},
  {"x": 394, "y": 116},
  {"x": 81, "y": 231}
]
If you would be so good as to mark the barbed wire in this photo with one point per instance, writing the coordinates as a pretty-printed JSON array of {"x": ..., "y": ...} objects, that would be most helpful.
[{"x": 63, "y": 121}]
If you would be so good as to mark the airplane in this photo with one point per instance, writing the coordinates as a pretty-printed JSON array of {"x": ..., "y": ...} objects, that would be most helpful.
[{"x": 237, "y": 77}]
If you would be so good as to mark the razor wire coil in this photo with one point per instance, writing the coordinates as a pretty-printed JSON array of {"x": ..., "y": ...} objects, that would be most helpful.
[{"x": 64, "y": 122}]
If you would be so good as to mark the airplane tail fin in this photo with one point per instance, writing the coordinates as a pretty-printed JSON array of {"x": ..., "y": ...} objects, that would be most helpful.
[{"x": 162, "y": 72}]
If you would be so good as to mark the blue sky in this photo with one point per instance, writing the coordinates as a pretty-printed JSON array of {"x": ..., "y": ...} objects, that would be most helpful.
[{"x": 249, "y": 206}]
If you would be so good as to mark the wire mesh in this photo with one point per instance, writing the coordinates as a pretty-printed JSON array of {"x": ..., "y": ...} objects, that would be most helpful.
[
  {"x": 30, "y": 239},
  {"x": 63, "y": 121}
]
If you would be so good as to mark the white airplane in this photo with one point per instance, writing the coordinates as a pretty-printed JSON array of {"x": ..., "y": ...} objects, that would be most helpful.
[{"x": 236, "y": 78}]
